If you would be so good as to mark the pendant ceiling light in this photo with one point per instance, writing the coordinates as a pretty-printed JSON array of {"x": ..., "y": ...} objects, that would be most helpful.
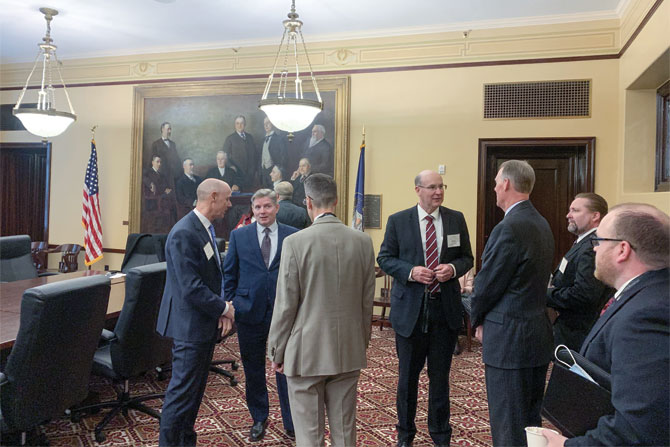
[
  {"x": 45, "y": 120},
  {"x": 287, "y": 111}
]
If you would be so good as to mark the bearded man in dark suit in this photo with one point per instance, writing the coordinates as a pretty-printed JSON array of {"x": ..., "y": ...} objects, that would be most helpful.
[
  {"x": 319, "y": 152},
  {"x": 509, "y": 308},
  {"x": 574, "y": 293},
  {"x": 166, "y": 149}
]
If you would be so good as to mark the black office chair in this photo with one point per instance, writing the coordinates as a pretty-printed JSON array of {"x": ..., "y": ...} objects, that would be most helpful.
[
  {"x": 16, "y": 259},
  {"x": 49, "y": 367},
  {"x": 134, "y": 347},
  {"x": 143, "y": 249}
]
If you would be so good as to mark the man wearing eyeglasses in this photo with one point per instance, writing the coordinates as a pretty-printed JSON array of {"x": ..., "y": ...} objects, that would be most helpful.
[
  {"x": 509, "y": 307},
  {"x": 575, "y": 294},
  {"x": 631, "y": 340},
  {"x": 425, "y": 249}
]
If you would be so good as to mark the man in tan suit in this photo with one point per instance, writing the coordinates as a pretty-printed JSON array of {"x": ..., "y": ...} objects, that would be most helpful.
[{"x": 321, "y": 322}]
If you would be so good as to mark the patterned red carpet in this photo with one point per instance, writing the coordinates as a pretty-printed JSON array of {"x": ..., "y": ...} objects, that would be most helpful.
[{"x": 224, "y": 421}]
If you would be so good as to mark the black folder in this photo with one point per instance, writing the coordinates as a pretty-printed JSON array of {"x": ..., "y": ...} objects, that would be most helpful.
[{"x": 572, "y": 403}]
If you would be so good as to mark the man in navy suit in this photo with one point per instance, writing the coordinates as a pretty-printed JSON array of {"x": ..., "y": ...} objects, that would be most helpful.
[
  {"x": 192, "y": 309},
  {"x": 289, "y": 213},
  {"x": 425, "y": 249},
  {"x": 508, "y": 308},
  {"x": 631, "y": 340},
  {"x": 250, "y": 269}
]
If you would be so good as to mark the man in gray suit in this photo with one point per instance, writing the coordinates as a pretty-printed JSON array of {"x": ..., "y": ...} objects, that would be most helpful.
[
  {"x": 508, "y": 307},
  {"x": 321, "y": 322}
]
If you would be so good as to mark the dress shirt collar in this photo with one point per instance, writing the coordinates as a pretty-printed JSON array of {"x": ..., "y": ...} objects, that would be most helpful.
[
  {"x": 620, "y": 290},
  {"x": 260, "y": 228},
  {"x": 513, "y": 205},
  {"x": 583, "y": 235},
  {"x": 203, "y": 220},
  {"x": 155, "y": 170},
  {"x": 423, "y": 214},
  {"x": 327, "y": 213}
]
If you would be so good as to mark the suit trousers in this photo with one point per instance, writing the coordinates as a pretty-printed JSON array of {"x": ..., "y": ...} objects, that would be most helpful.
[
  {"x": 515, "y": 400},
  {"x": 436, "y": 346},
  {"x": 335, "y": 394},
  {"x": 190, "y": 368},
  {"x": 253, "y": 341}
]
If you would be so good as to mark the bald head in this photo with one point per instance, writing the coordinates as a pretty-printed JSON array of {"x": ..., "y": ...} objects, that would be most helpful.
[{"x": 213, "y": 198}]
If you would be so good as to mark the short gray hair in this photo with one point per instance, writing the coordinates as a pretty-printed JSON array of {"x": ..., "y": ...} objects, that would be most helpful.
[
  {"x": 646, "y": 229},
  {"x": 284, "y": 190},
  {"x": 243, "y": 118},
  {"x": 322, "y": 189},
  {"x": 520, "y": 174},
  {"x": 264, "y": 193}
]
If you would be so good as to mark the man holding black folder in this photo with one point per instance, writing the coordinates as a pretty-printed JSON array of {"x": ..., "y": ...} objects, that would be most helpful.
[{"x": 631, "y": 340}]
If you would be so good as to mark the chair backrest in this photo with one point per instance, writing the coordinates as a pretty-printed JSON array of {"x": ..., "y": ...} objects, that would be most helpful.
[
  {"x": 143, "y": 249},
  {"x": 50, "y": 363},
  {"x": 16, "y": 260},
  {"x": 138, "y": 347}
]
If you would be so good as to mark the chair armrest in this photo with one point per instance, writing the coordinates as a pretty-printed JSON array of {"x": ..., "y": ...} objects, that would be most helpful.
[
  {"x": 48, "y": 274},
  {"x": 107, "y": 335}
]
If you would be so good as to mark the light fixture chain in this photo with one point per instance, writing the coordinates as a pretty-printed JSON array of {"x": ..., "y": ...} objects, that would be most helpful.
[
  {"x": 25, "y": 87},
  {"x": 60, "y": 75},
  {"x": 309, "y": 64}
]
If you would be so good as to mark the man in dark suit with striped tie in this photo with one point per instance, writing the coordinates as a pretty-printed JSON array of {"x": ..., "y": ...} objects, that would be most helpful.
[
  {"x": 425, "y": 249},
  {"x": 250, "y": 269}
]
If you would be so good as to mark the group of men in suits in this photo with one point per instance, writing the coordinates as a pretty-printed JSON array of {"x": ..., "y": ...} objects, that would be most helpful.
[{"x": 630, "y": 341}]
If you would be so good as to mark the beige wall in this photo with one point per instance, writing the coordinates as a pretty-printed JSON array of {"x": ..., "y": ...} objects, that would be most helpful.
[{"x": 413, "y": 120}]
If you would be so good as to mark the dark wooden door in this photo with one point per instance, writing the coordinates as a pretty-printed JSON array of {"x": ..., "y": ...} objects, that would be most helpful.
[
  {"x": 563, "y": 168},
  {"x": 24, "y": 201}
]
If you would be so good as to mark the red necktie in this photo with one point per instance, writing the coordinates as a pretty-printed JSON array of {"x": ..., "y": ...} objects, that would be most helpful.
[
  {"x": 431, "y": 252},
  {"x": 608, "y": 304}
]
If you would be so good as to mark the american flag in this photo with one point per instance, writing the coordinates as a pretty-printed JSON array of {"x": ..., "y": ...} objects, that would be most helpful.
[
  {"x": 357, "y": 222},
  {"x": 90, "y": 217}
]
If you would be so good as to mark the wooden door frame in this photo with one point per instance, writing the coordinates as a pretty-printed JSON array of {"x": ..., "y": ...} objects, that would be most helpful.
[
  {"x": 46, "y": 145},
  {"x": 486, "y": 145}
]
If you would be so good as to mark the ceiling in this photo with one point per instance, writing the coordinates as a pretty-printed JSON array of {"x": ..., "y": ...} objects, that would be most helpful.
[{"x": 91, "y": 28}]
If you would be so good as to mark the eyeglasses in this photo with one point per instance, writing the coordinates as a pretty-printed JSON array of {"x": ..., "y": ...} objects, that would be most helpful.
[
  {"x": 596, "y": 241},
  {"x": 433, "y": 187},
  {"x": 304, "y": 201}
]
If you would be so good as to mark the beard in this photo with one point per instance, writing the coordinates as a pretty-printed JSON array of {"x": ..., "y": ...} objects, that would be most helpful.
[
  {"x": 572, "y": 228},
  {"x": 313, "y": 141}
]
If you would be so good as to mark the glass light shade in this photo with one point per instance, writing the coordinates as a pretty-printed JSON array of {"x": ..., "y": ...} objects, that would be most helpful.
[
  {"x": 290, "y": 114},
  {"x": 44, "y": 123}
]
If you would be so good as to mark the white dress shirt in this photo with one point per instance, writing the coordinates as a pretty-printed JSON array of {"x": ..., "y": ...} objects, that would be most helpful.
[{"x": 274, "y": 237}]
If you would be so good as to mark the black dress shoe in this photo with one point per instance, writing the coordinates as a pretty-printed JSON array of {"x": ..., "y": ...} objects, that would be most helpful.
[
  {"x": 458, "y": 349},
  {"x": 290, "y": 434},
  {"x": 404, "y": 443},
  {"x": 257, "y": 431}
]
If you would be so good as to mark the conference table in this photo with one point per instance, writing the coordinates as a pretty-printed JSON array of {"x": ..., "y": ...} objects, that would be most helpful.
[{"x": 12, "y": 292}]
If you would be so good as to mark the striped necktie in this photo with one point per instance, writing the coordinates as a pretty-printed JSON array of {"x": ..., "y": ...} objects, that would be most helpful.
[{"x": 431, "y": 252}]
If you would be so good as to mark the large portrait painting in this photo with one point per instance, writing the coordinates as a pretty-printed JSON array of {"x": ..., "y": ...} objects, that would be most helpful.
[{"x": 187, "y": 132}]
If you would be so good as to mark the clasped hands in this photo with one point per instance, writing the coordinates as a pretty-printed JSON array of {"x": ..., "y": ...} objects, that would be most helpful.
[
  {"x": 443, "y": 272},
  {"x": 227, "y": 319}
]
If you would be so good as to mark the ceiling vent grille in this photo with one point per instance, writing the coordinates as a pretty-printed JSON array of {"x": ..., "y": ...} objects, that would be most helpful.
[{"x": 544, "y": 99}]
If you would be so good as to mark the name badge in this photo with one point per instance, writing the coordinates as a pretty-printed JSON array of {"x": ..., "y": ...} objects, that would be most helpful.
[
  {"x": 563, "y": 265},
  {"x": 209, "y": 252},
  {"x": 453, "y": 240}
]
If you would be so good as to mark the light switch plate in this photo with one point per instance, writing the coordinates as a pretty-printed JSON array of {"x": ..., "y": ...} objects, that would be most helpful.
[{"x": 441, "y": 169}]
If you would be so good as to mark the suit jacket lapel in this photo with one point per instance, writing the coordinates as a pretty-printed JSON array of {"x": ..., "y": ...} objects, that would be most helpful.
[
  {"x": 281, "y": 234},
  {"x": 415, "y": 231},
  {"x": 627, "y": 294},
  {"x": 445, "y": 230}
]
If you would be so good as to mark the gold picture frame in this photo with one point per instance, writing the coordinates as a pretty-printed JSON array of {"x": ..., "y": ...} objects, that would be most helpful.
[{"x": 202, "y": 115}]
